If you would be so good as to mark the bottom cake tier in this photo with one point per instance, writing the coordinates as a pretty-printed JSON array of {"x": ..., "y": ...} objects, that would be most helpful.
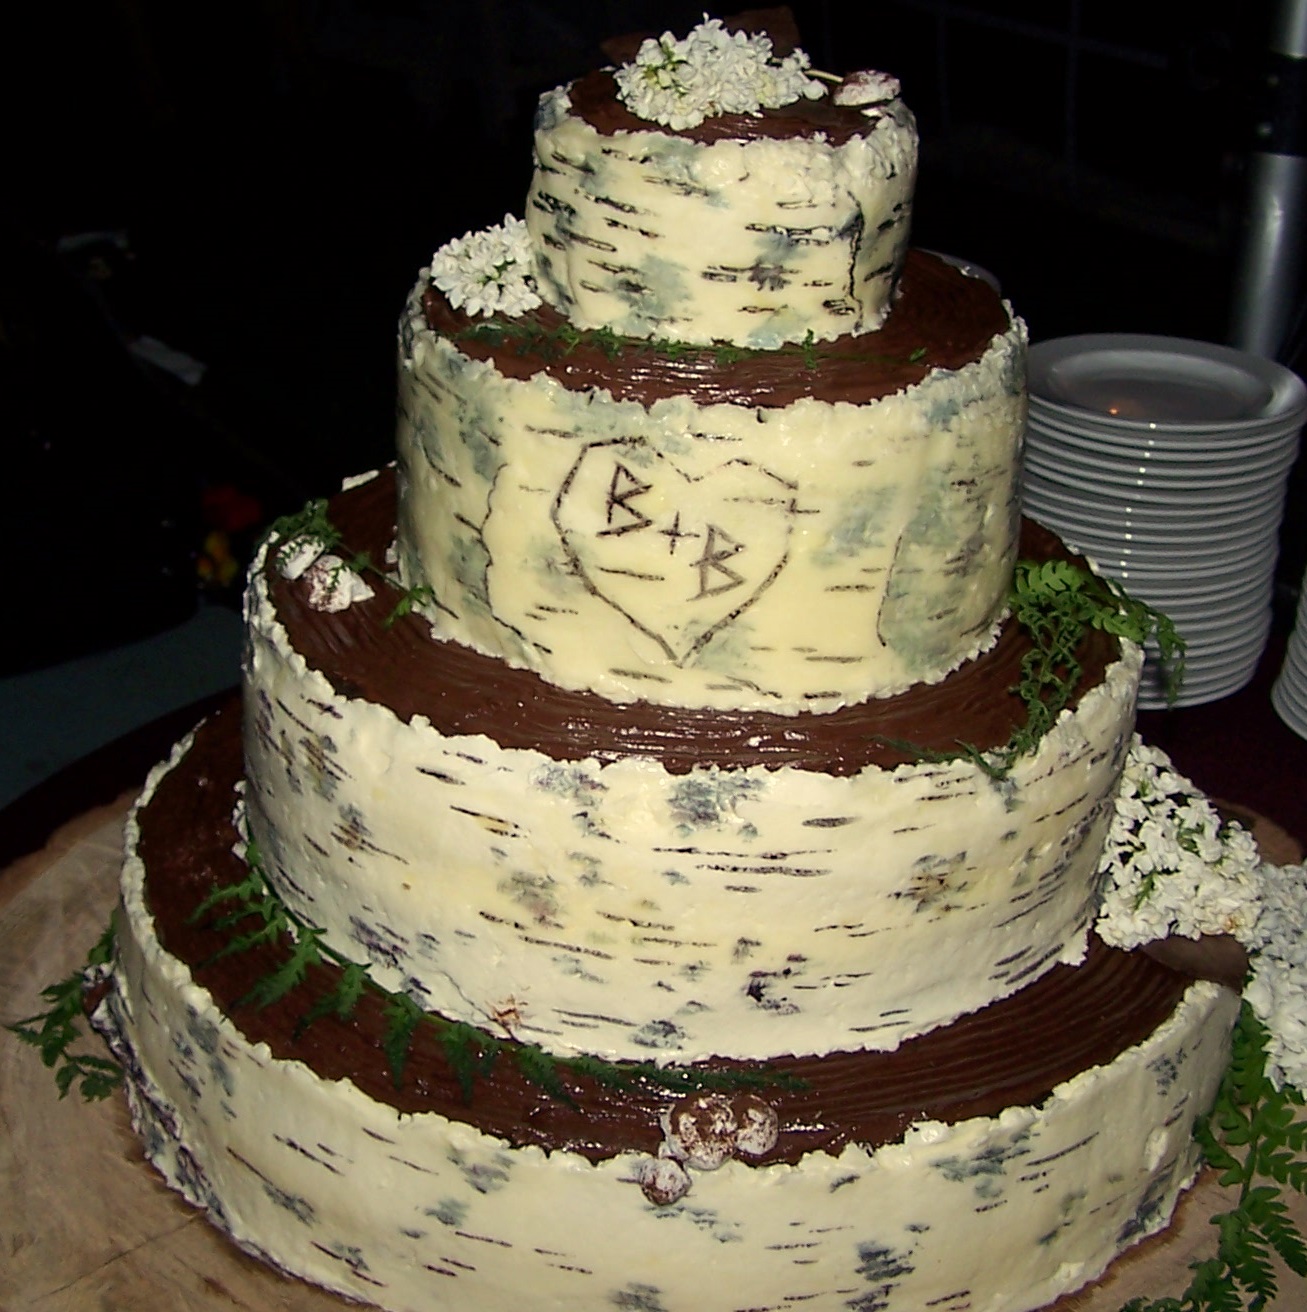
[{"x": 994, "y": 1164}]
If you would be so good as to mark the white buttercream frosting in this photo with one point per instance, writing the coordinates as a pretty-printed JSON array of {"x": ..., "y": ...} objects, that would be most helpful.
[{"x": 867, "y": 88}]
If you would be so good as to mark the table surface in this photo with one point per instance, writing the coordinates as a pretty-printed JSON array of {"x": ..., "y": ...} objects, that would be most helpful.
[{"x": 86, "y": 1224}]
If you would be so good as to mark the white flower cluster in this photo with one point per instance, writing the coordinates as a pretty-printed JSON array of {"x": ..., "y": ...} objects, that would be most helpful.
[
  {"x": 1277, "y": 986},
  {"x": 712, "y": 71},
  {"x": 1170, "y": 866},
  {"x": 488, "y": 272}
]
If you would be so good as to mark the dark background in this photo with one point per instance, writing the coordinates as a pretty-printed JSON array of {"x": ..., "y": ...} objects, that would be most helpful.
[{"x": 256, "y": 185}]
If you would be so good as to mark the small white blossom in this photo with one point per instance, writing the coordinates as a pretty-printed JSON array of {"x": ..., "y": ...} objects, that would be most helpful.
[
  {"x": 488, "y": 272},
  {"x": 712, "y": 71}
]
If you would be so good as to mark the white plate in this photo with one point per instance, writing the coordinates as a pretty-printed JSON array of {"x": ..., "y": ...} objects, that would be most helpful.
[
  {"x": 1197, "y": 512},
  {"x": 1161, "y": 479},
  {"x": 1196, "y": 517},
  {"x": 1220, "y": 647},
  {"x": 1211, "y": 578},
  {"x": 1292, "y": 713},
  {"x": 1221, "y": 436},
  {"x": 1262, "y": 464},
  {"x": 1198, "y": 694},
  {"x": 1096, "y": 492},
  {"x": 1145, "y": 448},
  {"x": 1121, "y": 504},
  {"x": 1291, "y": 703},
  {"x": 1221, "y": 611},
  {"x": 1294, "y": 694},
  {"x": 1247, "y": 568},
  {"x": 1205, "y": 545},
  {"x": 1170, "y": 382}
]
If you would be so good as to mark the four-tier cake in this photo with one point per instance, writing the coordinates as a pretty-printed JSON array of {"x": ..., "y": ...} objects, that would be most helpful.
[{"x": 632, "y": 880}]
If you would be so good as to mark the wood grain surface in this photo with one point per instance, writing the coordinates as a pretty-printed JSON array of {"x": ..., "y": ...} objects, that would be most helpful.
[{"x": 87, "y": 1226}]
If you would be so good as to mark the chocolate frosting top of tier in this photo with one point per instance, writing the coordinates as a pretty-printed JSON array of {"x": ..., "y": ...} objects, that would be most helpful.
[
  {"x": 461, "y": 691},
  {"x": 594, "y": 99},
  {"x": 1011, "y": 1053},
  {"x": 942, "y": 319}
]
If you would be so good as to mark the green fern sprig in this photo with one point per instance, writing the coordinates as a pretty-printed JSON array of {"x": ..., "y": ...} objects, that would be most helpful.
[
  {"x": 291, "y": 973},
  {"x": 1057, "y": 604},
  {"x": 55, "y": 1031},
  {"x": 272, "y": 923},
  {"x": 403, "y": 1016},
  {"x": 470, "y": 1052},
  {"x": 409, "y": 600},
  {"x": 311, "y": 523},
  {"x": 243, "y": 893},
  {"x": 340, "y": 1000},
  {"x": 542, "y": 1069},
  {"x": 1255, "y": 1139}
]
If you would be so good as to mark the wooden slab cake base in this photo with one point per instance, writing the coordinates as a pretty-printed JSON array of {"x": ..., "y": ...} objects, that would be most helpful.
[{"x": 86, "y": 1224}]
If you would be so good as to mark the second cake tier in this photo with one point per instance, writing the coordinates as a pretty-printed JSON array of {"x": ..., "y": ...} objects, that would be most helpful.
[
  {"x": 791, "y": 530},
  {"x": 646, "y": 883}
]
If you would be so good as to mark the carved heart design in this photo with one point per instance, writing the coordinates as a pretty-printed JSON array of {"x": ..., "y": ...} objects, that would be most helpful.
[{"x": 680, "y": 556}]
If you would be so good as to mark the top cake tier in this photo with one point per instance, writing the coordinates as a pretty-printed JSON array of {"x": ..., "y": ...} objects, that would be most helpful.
[{"x": 751, "y": 228}]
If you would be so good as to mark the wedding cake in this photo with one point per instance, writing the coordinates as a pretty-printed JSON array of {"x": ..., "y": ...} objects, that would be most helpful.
[{"x": 635, "y": 878}]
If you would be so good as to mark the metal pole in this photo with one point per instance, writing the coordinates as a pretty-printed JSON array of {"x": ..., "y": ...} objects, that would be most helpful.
[{"x": 1269, "y": 272}]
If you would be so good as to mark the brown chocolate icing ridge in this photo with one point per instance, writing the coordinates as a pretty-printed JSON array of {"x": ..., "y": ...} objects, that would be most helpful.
[
  {"x": 594, "y": 100},
  {"x": 942, "y": 319},
  {"x": 461, "y": 691},
  {"x": 1011, "y": 1053}
]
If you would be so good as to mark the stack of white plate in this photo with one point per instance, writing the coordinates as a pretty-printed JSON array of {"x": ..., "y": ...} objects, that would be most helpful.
[
  {"x": 1165, "y": 462},
  {"x": 1289, "y": 694}
]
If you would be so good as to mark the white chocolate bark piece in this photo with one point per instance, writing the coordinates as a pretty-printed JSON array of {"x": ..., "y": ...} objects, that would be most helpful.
[
  {"x": 792, "y": 558},
  {"x": 418, "y": 1213},
  {"x": 623, "y": 909},
  {"x": 757, "y": 242}
]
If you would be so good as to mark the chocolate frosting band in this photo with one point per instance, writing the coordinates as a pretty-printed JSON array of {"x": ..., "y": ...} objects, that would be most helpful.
[
  {"x": 594, "y": 99},
  {"x": 943, "y": 319},
  {"x": 1011, "y": 1053},
  {"x": 463, "y": 692}
]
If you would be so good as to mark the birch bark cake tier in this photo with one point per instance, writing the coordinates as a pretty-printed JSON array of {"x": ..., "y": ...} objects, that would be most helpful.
[
  {"x": 795, "y": 530},
  {"x": 747, "y": 228},
  {"x": 633, "y": 858},
  {"x": 618, "y": 906}
]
